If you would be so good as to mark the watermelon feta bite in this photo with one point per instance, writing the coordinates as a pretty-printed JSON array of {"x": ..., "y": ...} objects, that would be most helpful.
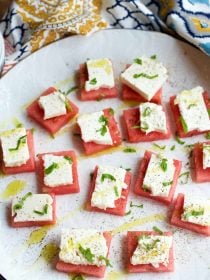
[
  {"x": 33, "y": 210},
  {"x": 17, "y": 151},
  {"x": 201, "y": 162},
  {"x": 97, "y": 80},
  {"x": 143, "y": 80},
  {"x": 148, "y": 122},
  {"x": 191, "y": 110},
  {"x": 148, "y": 251},
  {"x": 84, "y": 251},
  {"x": 52, "y": 110},
  {"x": 157, "y": 177},
  {"x": 192, "y": 213},
  {"x": 109, "y": 190},
  {"x": 57, "y": 172},
  {"x": 99, "y": 131}
]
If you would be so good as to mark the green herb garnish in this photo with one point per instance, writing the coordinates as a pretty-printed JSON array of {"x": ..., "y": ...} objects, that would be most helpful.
[
  {"x": 78, "y": 277},
  {"x": 19, "y": 205},
  {"x": 135, "y": 205},
  {"x": 144, "y": 126},
  {"x": 207, "y": 136},
  {"x": 50, "y": 168},
  {"x": 164, "y": 164},
  {"x": 21, "y": 140},
  {"x": 159, "y": 147},
  {"x": 208, "y": 111},
  {"x": 111, "y": 111},
  {"x": 103, "y": 129},
  {"x": 173, "y": 148},
  {"x": 69, "y": 159},
  {"x": 143, "y": 75},
  {"x": 43, "y": 212},
  {"x": 128, "y": 213},
  {"x": 151, "y": 246},
  {"x": 116, "y": 191},
  {"x": 191, "y": 105},
  {"x": 185, "y": 177},
  {"x": 178, "y": 140},
  {"x": 87, "y": 253},
  {"x": 165, "y": 184},
  {"x": 129, "y": 150},
  {"x": 67, "y": 104},
  {"x": 138, "y": 61},
  {"x": 147, "y": 112},
  {"x": 107, "y": 261},
  {"x": 184, "y": 125},
  {"x": 69, "y": 90},
  {"x": 156, "y": 229},
  {"x": 93, "y": 81},
  {"x": 194, "y": 213},
  {"x": 154, "y": 56},
  {"x": 107, "y": 176}
]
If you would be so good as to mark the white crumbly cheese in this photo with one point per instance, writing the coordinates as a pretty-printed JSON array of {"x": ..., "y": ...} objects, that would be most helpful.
[
  {"x": 100, "y": 74},
  {"x": 152, "y": 118},
  {"x": 53, "y": 105},
  {"x": 61, "y": 174},
  {"x": 108, "y": 188},
  {"x": 193, "y": 109},
  {"x": 33, "y": 202},
  {"x": 152, "y": 249},
  {"x": 157, "y": 180},
  {"x": 15, "y": 147},
  {"x": 206, "y": 156},
  {"x": 145, "y": 78},
  {"x": 196, "y": 210},
  {"x": 73, "y": 240},
  {"x": 94, "y": 129}
]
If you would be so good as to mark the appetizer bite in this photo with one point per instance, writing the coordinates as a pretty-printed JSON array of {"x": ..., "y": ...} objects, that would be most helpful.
[
  {"x": 191, "y": 109},
  {"x": 149, "y": 251},
  {"x": 148, "y": 122},
  {"x": 157, "y": 177},
  {"x": 84, "y": 251},
  {"x": 17, "y": 151},
  {"x": 99, "y": 131},
  {"x": 97, "y": 80},
  {"x": 143, "y": 80},
  {"x": 52, "y": 110},
  {"x": 192, "y": 213},
  {"x": 33, "y": 210},
  {"x": 109, "y": 190},
  {"x": 201, "y": 162},
  {"x": 57, "y": 172}
]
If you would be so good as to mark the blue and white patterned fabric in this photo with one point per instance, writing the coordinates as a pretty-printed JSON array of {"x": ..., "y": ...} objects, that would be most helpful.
[
  {"x": 190, "y": 19},
  {"x": 27, "y": 25}
]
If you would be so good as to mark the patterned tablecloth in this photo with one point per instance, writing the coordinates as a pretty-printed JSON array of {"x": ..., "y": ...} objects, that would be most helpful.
[{"x": 29, "y": 25}]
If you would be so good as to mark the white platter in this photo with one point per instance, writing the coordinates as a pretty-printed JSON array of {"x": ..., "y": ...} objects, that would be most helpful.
[{"x": 56, "y": 65}]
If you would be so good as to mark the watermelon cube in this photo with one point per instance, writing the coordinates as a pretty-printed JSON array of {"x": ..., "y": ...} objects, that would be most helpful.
[
  {"x": 138, "y": 187},
  {"x": 61, "y": 189},
  {"x": 52, "y": 125}
]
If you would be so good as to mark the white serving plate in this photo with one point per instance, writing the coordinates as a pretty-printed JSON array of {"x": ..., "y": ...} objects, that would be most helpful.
[{"x": 56, "y": 65}]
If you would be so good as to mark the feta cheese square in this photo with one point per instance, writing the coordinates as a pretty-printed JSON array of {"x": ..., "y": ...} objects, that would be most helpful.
[
  {"x": 193, "y": 110},
  {"x": 57, "y": 170},
  {"x": 152, "y": 249},
  {"x": 94, "y": 128},
  {"x": 100, "y": 74},
  {"x": 15, "y": 147},
  {"x": 108, "y": 187},
  {"x": 196, "y": 210},
  {"x": 159, "y": 175},
  {"x": 74, "y": 241},
  {"x": 53, "y": 104},
  {"x": 206, "y": 156},
  {"x": 145, "y": 77},
  {"x": 152, "y": 118},
  {"x": 32, "y": 207}
]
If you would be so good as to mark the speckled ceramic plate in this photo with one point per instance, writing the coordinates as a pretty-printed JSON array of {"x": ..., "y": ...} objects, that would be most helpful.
[{"x": 30, "y": 253}]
